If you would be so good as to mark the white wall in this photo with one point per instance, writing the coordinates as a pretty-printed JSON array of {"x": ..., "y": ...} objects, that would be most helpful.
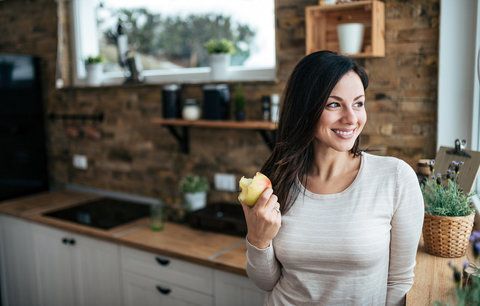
[{"x": 458, "y": 84}]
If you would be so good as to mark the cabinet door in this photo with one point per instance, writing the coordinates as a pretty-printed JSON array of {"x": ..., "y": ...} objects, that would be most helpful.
[
  {"x": 141, "y": 290},
  {"x": 236, "y": 290},
  {"x": 97, "y": 272},
  {"x": 54, "y": 268},
  {"x": 18, "y": 262}
]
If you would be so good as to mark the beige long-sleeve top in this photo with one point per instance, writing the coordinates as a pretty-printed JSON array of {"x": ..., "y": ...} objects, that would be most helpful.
[{"x": 356, "y": 247}]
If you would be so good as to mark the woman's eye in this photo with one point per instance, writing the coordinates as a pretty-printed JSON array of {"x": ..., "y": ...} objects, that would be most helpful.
[
  {"x": 333, "y": 105},
  {"x": 360, "y": 104}
]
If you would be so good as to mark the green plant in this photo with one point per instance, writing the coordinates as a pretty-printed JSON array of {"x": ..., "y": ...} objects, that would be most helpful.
[
  {"x": 218, "y": 46},
  {"x": 443, "y": 196},
  {"x": 194, "y": 183},
  {"x": 94, "y": 60}
]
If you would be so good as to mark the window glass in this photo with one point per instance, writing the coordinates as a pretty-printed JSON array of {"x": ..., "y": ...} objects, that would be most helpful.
[{"x": 169, "y": 34}]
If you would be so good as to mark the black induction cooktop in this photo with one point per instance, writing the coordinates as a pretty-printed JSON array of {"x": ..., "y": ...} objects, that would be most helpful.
[
  {"x": 221, "y": 217},
  {"x": 104, "y": 213}
]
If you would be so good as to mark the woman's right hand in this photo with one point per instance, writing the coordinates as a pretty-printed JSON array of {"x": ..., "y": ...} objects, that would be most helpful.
[{"x": 263, "y": 219}]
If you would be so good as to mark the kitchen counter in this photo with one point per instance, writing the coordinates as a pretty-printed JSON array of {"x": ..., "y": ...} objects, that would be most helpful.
[
  {"x": 433, "y": 277},
  {"x": 224, "y": 252}
]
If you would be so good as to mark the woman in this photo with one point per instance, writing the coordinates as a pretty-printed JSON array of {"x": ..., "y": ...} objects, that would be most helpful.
[{"x": 343, "y": 226}]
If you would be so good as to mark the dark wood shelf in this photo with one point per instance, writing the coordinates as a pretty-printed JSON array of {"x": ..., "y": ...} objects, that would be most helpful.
[
  {"x": 245, "y": 125},
  {"x": 268, "y": 130}
]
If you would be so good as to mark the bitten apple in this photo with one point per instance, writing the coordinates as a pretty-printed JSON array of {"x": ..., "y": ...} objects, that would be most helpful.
[{"x": 252, "y": 188}]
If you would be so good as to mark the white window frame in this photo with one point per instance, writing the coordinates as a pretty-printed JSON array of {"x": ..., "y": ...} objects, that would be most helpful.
[
  {"x": 83, "y": 20},
  {"x": 458, "y": 76}
]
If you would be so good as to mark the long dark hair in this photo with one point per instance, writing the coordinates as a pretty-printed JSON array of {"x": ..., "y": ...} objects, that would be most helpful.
[{"x": 304, "y": 100}]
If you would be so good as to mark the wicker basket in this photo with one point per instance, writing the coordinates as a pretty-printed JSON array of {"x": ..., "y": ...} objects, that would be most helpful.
[{"x": 447, "y": 236}]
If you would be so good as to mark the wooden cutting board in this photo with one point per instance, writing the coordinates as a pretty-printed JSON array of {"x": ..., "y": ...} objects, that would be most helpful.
[{"x": 469, "y": 170}]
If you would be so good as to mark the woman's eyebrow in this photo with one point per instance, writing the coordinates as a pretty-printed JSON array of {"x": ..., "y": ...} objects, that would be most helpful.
[{"x": 340, "y": 99}]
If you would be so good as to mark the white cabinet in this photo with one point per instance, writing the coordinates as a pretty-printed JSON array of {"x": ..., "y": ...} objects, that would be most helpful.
[
  {"x": 53, "y": 262},
  {"x": 75, "y": 270},
  {"x": 97, "y": 271},
  {"x": 141, "y": 290},
  {"x": 150, "y": 279},
  {"x": 41, "y": 265},
  {"x": 236, "y": 290},
  {"x": 17, "y": 262}
]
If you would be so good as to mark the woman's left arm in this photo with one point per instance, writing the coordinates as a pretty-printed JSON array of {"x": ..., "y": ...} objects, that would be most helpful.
[{"x": 405, "y": 234}]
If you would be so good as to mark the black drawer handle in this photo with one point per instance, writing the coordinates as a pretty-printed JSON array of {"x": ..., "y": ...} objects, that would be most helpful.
[
  {"x": 71, "y": 241},
  {"x": 162, "y": 261},
  {"x": 65, "y": 241},
  {"x": 163, "y": 290}
]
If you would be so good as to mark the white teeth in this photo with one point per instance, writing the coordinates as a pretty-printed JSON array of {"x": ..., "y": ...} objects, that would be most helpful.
[{"x": 343, "y": 133}]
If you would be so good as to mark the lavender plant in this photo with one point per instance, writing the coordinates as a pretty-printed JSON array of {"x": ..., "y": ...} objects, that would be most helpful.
[
  {"x": 467, "y": 283},
  {"x": 443, "y": 196}
]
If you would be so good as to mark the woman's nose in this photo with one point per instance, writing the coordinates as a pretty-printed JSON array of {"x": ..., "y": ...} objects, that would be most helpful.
[{"x": 349, "y": 116}]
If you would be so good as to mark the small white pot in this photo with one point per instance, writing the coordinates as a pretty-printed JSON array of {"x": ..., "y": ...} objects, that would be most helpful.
[
  {"x": 195, "y": 200},
  {"x": 350, "y": 37},
  {"x": 219, "y": 64},
  {"x": 94, "y": 74}
]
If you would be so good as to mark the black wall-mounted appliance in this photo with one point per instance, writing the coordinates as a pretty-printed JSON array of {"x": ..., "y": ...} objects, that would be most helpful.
[
  {"x": 216, "y": 102},
  {"x": 23, "y": 158}
]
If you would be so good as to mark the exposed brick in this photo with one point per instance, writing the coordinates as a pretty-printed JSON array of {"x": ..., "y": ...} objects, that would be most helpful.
[{"x": 401, "y": 103}]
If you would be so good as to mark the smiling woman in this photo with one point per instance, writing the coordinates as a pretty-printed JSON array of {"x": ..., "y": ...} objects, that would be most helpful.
[
  {"x": 169, "y": 37},
  {"x": 350, "y": 221}
]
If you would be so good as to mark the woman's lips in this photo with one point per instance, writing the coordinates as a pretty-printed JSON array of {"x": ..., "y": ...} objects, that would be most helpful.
[{"x": 344, "y": 133}]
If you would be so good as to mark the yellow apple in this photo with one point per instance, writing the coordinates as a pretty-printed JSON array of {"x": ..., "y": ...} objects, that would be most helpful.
[{"x": 252, "y": 188}]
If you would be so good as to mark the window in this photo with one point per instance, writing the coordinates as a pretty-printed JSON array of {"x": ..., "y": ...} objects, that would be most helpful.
[{"x": 168, "y": 37}]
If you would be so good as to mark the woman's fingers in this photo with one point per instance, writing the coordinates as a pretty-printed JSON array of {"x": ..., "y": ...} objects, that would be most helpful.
[{"x": 264, "y": 198}]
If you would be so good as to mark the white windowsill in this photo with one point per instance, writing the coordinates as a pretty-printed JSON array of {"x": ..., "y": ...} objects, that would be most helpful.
[{"x": 193, "y": 76}]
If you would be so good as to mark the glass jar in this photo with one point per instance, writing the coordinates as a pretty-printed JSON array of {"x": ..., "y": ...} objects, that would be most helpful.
[
  {"x": 191, "y": 110},
  {"x": 157, "y": 216}
]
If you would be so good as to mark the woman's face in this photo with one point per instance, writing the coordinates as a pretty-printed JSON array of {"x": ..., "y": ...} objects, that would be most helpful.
[{"x": 344, "y": 115}]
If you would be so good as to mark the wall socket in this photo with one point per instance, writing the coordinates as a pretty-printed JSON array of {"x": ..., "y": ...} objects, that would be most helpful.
[
  {"x": 225, "y": 182},
  {"x": 80, "y": 162}
]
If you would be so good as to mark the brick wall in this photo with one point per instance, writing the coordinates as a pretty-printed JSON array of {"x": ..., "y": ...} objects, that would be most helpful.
[{"x": 138, "y": 157}]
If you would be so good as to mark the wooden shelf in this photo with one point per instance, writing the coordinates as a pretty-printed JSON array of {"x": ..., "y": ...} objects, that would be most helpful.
[
  {"x": 268, "y": 130},
  {"x": 245, "y": 125},
  {"x": 322, "y": 20}
]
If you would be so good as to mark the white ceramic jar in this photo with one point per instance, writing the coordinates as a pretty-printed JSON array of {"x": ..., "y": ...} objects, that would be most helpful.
[
  {"x": 191, "y": 110},
  {"x": 350, "y": 37}
]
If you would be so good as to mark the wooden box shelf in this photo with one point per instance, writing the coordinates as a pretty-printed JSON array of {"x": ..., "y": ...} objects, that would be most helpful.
[
  {"x": 266, "y": 129},
  {"x": 322, "y": 20}
]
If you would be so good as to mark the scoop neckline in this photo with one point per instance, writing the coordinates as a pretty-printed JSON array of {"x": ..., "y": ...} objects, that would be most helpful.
[{"x": 313, "y": 195}]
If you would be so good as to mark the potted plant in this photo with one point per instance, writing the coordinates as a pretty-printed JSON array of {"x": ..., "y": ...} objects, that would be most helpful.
[
  {"x": 219, "y": 51},
  {"x": 194, "y": 189},
  {"x": 94, "y": 68},
  {"x": 449, "y": 214},
  {"x": 239, "y": 100}
]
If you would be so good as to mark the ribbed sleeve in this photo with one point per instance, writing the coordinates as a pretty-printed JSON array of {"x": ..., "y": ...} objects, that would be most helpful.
[
  {"x": 406, "y": 229},
  {"x": 262, "y": 266}
]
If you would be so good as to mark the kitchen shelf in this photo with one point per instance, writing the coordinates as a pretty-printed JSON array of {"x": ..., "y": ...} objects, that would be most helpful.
[
  {"x": 268, "y": 130},
  {"x": 322, "y": 20}
]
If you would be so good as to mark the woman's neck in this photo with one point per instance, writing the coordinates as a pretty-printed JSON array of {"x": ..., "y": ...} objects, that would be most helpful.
[{"x": 329, "y": 164}]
